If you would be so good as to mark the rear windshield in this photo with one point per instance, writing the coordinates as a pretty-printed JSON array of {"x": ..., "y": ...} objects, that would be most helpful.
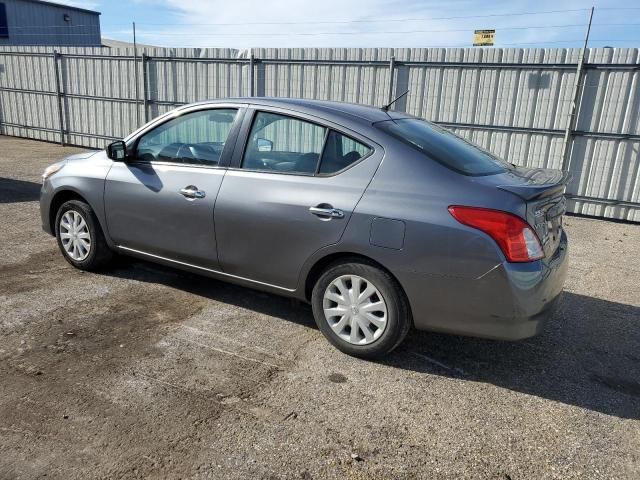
[{"x": 444, "y": 146}]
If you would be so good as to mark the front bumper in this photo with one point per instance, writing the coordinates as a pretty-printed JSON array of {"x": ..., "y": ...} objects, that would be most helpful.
[
  {"x": 46, "y": 196},
  {"x": 510, "y": 302}
]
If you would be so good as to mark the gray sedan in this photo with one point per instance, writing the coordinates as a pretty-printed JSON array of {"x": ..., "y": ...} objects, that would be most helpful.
[{"x": 380, "y": 220}]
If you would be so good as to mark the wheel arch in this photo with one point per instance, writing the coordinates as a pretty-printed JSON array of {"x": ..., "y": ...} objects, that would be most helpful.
[
  {"x": 60, "y": 198},
  {"x": 344, "y": 257}
]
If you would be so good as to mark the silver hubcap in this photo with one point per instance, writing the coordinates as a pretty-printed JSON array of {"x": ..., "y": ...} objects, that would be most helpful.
[
  {"x": 74, "y": 234},
  {"x": 355, "y": 309}
]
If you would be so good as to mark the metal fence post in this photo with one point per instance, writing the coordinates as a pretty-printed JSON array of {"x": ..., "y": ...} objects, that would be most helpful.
[
  {"x": 575, "y": 103},
  {"x": 259, "y": 77},
  {"x": 392, "y": 67},
  {"x": 135, "y": 75},
  {"x": 144, "y": 87},
  {"x": 251, "y": 73},
  {"x": 59, "y": 95}
]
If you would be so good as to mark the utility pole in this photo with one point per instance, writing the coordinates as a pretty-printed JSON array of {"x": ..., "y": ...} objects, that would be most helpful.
[{"x": 573, "y": 108}]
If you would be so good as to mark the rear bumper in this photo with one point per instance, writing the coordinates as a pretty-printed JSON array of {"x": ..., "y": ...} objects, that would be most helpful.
[{"x": 510, "y": 302}]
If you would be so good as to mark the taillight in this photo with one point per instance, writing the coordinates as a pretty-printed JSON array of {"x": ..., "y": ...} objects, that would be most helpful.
[{"x": 514, "y": 236}]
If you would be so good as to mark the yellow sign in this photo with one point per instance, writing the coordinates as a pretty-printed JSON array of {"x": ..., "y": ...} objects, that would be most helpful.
[{"x": 483, "y": 38}]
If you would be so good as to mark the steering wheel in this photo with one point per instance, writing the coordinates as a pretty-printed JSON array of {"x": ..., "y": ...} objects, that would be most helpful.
[
  {"x": 198, "y": 153},
  {"x": 186, "y": 151}
]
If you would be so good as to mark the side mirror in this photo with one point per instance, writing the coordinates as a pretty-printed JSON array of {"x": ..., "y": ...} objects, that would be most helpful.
[
  {"x": 117, "y": 151},
  {"x": 264, "y": 145}
]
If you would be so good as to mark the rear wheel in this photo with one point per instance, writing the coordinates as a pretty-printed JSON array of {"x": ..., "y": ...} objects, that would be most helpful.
[
  {"x": 80, "y": 237},
  {"x": 361, "y": 309}
]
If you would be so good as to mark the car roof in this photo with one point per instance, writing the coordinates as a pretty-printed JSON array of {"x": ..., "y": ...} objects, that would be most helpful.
[{"x": 321, "y": 108}]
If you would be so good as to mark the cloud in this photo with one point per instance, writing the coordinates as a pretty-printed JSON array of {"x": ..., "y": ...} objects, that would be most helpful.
[{"x": 360, "y": 23}]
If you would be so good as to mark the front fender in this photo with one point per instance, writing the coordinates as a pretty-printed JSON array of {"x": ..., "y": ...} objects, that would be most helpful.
[{"x": 83, "y": 178}]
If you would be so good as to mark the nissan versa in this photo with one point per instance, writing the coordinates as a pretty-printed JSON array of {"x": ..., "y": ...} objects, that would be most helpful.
[{"x": 380, "y": 220}]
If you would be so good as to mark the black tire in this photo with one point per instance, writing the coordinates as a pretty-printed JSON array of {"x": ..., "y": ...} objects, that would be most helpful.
[
  {"x": 99, "y": 252},
  {"x": 398, "y": 313}
]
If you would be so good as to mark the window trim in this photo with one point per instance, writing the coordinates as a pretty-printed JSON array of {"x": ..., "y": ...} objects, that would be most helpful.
[
  {"x": 227, "y": 152},
  {"x": 245, "y": 134},
  {"x": 322, "y": 150}
]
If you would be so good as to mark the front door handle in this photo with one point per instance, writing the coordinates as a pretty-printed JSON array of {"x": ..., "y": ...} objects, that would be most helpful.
[
  {"x": 192, "y": 191},
  {"x": 327, "y": 212}
]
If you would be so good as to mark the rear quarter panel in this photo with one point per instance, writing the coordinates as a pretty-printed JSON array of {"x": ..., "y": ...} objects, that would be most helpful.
[
  {"x": 437, "y": 254},
  {"x": 410, "y": 187}
]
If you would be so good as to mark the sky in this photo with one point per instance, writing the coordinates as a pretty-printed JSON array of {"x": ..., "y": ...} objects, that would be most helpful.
[{"x": 366, "y": 23}]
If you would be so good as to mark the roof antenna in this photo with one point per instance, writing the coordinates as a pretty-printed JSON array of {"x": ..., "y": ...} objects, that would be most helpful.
[{"x": 386, "y": 107}]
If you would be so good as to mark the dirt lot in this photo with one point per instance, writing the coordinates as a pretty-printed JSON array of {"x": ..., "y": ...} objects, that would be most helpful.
[{"x": 143, "y": 371}]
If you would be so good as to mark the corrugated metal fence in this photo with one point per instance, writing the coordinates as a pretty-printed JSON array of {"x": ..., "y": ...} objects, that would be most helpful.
[{"x": 515, "y": 102}]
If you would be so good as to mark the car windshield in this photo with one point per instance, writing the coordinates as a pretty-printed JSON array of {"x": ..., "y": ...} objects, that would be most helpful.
[{"x": 444, "y": 146}]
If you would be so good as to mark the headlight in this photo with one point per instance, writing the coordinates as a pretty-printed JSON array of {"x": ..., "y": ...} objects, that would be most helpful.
[{"x": 51, "y": 169}]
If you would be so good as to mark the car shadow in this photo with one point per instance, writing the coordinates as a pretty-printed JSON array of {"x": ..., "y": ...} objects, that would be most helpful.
[
  {"x": 15, "y": 191},
  {"x": 212, "y": 289},
  {"x": 588, "y": 354}
]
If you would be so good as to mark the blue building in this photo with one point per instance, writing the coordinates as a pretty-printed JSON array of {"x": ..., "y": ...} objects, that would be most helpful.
[{"x": 36, "y": 22}]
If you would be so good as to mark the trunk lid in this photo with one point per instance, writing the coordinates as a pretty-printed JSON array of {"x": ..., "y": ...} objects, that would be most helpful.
[
  {"x": 542, "y": 190},
  {"x": 533, "y": 184}
]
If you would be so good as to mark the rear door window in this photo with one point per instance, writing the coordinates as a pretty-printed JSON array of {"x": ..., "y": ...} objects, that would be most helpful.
[
  {"x": 283, "y": 144},
  {"x": 444, "y": 146}
]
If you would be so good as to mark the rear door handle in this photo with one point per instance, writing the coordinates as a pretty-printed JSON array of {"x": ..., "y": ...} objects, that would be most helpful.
[
  {"x": 192, "y": 191},
  {"x": 327, "y": 212}
]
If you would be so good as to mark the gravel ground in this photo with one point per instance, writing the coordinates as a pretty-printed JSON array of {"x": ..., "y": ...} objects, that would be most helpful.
[{"x": 143, "y": 371}]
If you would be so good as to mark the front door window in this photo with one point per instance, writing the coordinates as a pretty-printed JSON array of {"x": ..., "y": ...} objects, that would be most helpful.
[{"x": 196, "y": 138}]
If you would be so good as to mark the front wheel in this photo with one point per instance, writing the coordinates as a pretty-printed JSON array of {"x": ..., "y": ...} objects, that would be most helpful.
[
  {"x": 80, "y": 237},
  {"x": 361, "y": 309}
]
